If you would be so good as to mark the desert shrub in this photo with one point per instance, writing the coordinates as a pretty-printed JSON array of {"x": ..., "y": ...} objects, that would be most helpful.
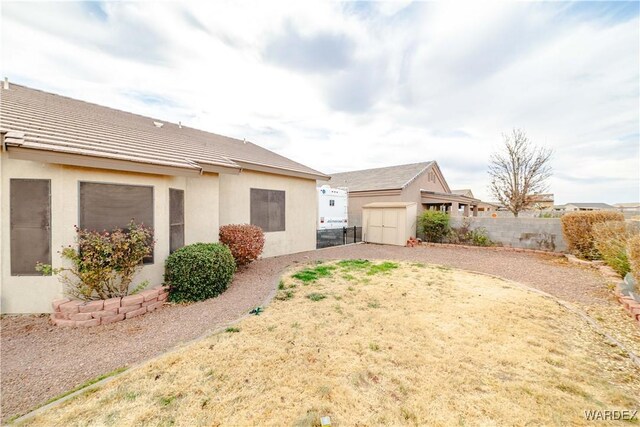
[
  {"x": 104, "y": 263},
  {"x": 480, "y": 237},
  {"x": 244, "y": 240},
  {"x": 433, "y": 225},
  {"x": 610, "y": 240},
  {"x": 463, "y": 234},
  {"x": 577, "y": 229},
  {"x": 633, "y": 250},
  {"x": 199, "y": 271}
]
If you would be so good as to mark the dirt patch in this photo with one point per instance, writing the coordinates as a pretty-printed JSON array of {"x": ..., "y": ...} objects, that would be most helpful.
[{"x": 378, "y": 343}]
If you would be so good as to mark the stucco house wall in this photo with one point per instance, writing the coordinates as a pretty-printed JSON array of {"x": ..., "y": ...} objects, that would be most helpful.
[
  {"x": 411, "y": 193},
  {"x": 300, "y": 209},
  {"x": 33, "y": 294}
]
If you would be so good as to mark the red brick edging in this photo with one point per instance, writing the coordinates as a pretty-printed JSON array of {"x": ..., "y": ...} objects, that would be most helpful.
[
  {"x": 491, "y": 248},
  {"x": 631, "y": 305},
  {"x": 74, "y": 313}
]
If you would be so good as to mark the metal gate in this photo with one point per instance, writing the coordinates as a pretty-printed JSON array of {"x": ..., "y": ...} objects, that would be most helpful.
[{"x": 338, "y": 236}]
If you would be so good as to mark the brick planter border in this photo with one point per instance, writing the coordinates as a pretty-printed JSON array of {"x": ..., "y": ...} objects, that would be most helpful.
[
  {"x": 75, "y": 313},
  {"x": 415, "y": 242}
]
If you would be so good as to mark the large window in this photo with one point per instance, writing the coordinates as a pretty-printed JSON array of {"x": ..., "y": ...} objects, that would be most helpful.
[
  {"x": 108, "y": 206},
  {"x": 176, "y": 219},
  {"x": 268, "y": 209},
  {"x": 30, "y": 221}
]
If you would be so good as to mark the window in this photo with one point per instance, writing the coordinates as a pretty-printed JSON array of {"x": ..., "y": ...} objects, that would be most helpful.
[
  {"x": 30, "y": 222},
  {"x": 268, "y": 209},
  {"x": 176, "y": 219},
  {"x": 108, "y": 206},
  {"x": 332, "y": 202}
]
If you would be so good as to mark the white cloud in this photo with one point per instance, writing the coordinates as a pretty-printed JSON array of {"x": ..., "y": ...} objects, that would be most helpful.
[{"x": 341, "y": 86}]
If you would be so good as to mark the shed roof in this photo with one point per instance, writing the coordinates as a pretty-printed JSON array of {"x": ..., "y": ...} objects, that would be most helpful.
[
  {"x": 37, "y": 120},
  {"x": 387, "y": 178}
]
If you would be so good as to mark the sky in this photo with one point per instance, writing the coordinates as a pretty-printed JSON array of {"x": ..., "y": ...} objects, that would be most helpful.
[{"x": 342, "y": 86}]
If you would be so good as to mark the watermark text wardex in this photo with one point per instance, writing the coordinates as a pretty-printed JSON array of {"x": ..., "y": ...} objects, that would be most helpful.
[{"x": 605, "y": 415}]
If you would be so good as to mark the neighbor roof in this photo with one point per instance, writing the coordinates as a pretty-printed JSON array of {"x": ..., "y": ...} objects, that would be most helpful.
[
  {"x": 389, "y": 178},
  {"x": 37, "y": 120},
  {"x": 590, "y": 205},
  {"x": 465, "y": 192}
]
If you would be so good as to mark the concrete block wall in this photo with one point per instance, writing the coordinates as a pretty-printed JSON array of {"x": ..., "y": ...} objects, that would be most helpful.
[{"x": 527, "y": 233}]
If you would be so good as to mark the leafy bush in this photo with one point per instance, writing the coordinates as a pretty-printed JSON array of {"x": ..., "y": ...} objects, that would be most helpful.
[
  {"x": 465, "y": 235},
  {"x": 480, "y": 237},
  {"x": 433, "y": 225},
  {"x": 104, "y": 263},
  {"x": 633, "y": 250},
  {"x": 577, "y": 228},
  {"x": 199, "y": 271},
  {"x": 245, "y": 241},
  {"x": 610, "y": 240}
]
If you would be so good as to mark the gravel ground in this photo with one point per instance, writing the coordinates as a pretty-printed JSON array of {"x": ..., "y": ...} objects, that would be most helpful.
[{"x": 40, "y": 361}]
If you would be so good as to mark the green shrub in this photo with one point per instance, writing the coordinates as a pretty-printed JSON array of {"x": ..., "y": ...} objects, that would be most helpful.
[
  {"x": 433, "y": 225},
  {"x": 610, "y": 240},
  {"x": 577, "y": 229},
  {"x": 633, "y": 250},
  {"x": 104, "y": 263},
  {"x": 245, "y": 241},
  {"x": 480, "y": 237},
  {"x": 465, "y": 235},
  {"x": 199, "y": 271}
]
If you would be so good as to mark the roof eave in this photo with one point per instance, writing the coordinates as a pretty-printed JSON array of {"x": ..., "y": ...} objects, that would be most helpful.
[
  {"x": 258, "y": 167},
  {"x": 16, "y": 151}
]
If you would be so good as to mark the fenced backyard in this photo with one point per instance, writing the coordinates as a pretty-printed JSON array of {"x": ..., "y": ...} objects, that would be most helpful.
[{"x": 338, "y": 237}]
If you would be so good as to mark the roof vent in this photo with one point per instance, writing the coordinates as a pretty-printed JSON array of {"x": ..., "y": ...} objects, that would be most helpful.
[
  {"x": 158, "y": 124},
  {"x": 180, "y": 125},
  {"x": 5, "y": 84}
]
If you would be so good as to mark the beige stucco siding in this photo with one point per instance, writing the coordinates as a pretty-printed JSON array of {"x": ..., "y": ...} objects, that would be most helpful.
[
  {"x": 32, "y": 294},
  {"x": 411, "y": 193},
  {"x": 300, "y": 209},
  {"x": 356, "y": 202}
]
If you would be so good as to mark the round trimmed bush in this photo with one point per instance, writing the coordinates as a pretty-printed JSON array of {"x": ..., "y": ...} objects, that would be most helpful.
[
  {"x": 577, "y": 229},
  {"x": 245, "y": 241},
  {"x": 199, "y": 271}
]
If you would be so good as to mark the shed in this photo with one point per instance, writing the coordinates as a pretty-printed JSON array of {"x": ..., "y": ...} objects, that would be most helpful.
[{"x": 389, "y": 223}]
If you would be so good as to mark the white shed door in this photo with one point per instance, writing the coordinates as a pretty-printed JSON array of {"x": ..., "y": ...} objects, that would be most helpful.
[
  {"x": 374, "y": 226},
  {"x": 382, "y": 226},
  {"x": 390, "y": 226}
]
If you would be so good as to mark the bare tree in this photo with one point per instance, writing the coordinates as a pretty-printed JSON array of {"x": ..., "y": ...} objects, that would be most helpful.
[{"x": 519, "y": 171}]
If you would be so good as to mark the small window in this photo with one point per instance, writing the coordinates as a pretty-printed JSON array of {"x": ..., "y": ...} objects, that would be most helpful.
[
  {"x": 108, "y": 206},
  {"x": 332, "y": 202},
  {"x": 176, "y": 219},
  {"x": 30, "y": 222},
  {"x": 268, "y": 209}
]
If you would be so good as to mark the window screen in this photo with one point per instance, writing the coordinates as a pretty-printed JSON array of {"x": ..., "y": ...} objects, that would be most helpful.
[
  {"x": 108, "y": 206},
  {"x": 176, "y": 219},
  {"x": 268, "y": 209},
  {"x": 30, "y": 221}
]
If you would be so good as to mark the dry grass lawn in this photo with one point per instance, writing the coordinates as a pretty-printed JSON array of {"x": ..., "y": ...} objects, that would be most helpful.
[{"x": 378, "y": 343}]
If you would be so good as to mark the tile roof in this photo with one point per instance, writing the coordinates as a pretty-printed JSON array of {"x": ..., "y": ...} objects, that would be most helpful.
[
  {"x": 389, "y": 178},
  {"x": 60, "y": 124},
  {"x": 590, "y": 205},
  {"x": 464, "y": 192}
]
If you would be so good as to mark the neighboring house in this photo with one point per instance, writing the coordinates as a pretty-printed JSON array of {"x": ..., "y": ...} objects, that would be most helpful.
[
  {"x": 633, "y": 207},
  {"x": 480, "y": 205},
  {"x": 421, "y": 183},
  {"x": 541, "y": 201},
  {"x": 66, "y": 162},
  {"x": 570, "y": 207}
]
